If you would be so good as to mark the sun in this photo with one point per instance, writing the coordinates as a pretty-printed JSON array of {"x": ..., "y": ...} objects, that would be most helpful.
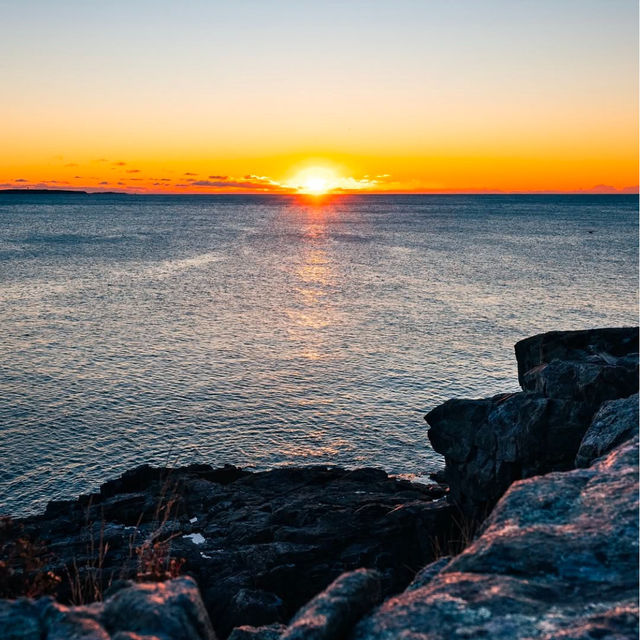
[
  {"x": 315, "y": 181},
  {"x": 315, "y": 185}
]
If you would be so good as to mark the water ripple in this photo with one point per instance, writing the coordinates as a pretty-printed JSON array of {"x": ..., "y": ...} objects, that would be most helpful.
[{"x": 263, "y": 331}]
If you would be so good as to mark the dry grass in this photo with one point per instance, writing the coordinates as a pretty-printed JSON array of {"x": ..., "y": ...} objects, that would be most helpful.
[
  {"x": 458, "y": 537},
  {"x": 155, "y": 562},
  {"x": 87, "y": 583},
  {"x": 23, "y": 562}
]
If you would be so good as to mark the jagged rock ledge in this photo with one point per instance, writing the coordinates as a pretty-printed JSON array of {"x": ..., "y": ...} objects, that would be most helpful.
[
  {"x": 556, "y": 558},
  {"x": 259, "y": 545}
]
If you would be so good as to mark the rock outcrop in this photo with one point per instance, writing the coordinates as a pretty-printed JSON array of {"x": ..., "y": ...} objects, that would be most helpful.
[
  {"x": 260, "y": 545},
  {"x": 158, "y": 611},
  {"x": 332, "y": 613},
  {"x": 557, "y": 558},
  {"x": 615, "y": 422},
  {"x": 488, "y": 444}
]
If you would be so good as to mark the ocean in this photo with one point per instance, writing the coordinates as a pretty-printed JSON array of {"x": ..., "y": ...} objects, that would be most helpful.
[{"x": 270, "y": 330}]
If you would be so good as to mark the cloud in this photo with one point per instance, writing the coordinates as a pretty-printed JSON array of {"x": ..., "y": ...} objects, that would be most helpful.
[
  {"x": 602, "y": 188},
  {"x": 606, "y": 188},
  {"x": 250, "y": 183},
  {"x": 119, "y": 164},
  {"x": 71, "y": 164},
  {"x": 218, "y": 177},
  {"x": 165, "y": 179},
  {"x": 188, "y": 173},
  {"x": 216, "y": 183},
  {"x": 104, "y": 182},
  {"x": 21, "y": 180},
  {"x": 77, "y": 176},
  {"x": 133, "y": 170}
]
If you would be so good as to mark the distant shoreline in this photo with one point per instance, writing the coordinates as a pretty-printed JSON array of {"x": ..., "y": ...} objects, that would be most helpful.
[{"x": 61, "y": 192}]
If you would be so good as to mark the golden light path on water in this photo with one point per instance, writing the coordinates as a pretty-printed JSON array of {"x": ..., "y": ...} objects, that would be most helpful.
[{"x": 312, "y": 312}]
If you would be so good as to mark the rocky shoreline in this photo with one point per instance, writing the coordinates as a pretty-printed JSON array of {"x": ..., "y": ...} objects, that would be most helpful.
[{"x": 549, "y": 474}]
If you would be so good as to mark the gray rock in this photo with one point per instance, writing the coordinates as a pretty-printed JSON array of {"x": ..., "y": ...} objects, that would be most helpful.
[
  {"x": 607, "y": 345},
  {"x": 615, "y": 422},
  {"x": 428, "y": 573},
  {"x": 257, "y": 607},
  {"x": 158, "y": 611},
  {"x": 332, "y": 613},
  {"x": 19, "y": 620},
  {"x": 490, "y": 443},
  {"x": 557, "y": 558},
  {"x": 266, "y": 632},
  {"x": 171, "y": 610},
  {"x": 591, "y": 381},
  {"x": 64, "y": 623},
  {"x": 619, "y": 623}
]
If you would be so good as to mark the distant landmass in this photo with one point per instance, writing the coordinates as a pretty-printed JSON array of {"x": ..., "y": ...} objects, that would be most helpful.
[{"x": 53, "y": 192}]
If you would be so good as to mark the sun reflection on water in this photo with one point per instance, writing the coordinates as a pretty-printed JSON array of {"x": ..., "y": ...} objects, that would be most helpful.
[{"x": 311, "y": 311}]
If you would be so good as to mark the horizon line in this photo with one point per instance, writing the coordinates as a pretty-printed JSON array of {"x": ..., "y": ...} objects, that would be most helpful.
[{"x": 631, "y": 191}]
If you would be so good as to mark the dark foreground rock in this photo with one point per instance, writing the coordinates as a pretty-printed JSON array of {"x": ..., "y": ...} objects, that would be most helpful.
[
  {"x": 566, "y": 376},
  {"x": 159, "y": 611},
  {"x": 260, "y": 545},
  {"x": 557, "y": 558}
]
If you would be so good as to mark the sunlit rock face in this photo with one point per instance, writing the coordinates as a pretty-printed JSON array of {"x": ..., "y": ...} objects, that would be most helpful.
[
  {"x": 557, "y": 558},
  {"x": 566, "y": 376}
]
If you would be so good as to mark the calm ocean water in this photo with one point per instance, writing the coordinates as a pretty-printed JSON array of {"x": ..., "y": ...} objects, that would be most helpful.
[{"x": 263, "y": 331}]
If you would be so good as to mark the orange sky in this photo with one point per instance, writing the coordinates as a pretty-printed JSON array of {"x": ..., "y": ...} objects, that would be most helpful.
[{"x": 424, "y": 97}]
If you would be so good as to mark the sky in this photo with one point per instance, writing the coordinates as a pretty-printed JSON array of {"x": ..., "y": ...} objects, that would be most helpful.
[{"x": 404, "y": 96}]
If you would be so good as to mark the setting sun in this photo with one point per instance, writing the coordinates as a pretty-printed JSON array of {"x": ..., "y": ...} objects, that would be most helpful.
[
  {"x": 315, "y": 181},
  {"x": 315, "y": 186}
]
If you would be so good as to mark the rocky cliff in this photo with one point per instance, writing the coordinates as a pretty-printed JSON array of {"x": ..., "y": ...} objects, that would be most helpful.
[
  {"x": 566, "y": 377},
  {"x": 334, "y": 554}
]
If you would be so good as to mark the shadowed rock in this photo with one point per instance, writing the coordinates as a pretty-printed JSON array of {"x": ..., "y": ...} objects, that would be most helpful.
[
  {"x": 260, "y": 545},
  {"x": 332, "y": 613},
  {"x": 490, "y": 443},
  {"x": 557, "y": 558},
  {"x": 615, "y": 422},
  {"x": 428, "y": 573},
  {"x": 593, "y": 345}
]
